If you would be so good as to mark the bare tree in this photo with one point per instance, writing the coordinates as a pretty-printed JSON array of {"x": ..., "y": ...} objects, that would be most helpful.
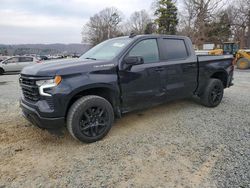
[
  {"x": 138, "y": 22},
  {"x": 248, "y": 33},
  {"x": 102, "y": 26},
  {"x": 198, "y": 14},
  {"x": 240, "y": 20},
  {"x": 186, "y": 19}
]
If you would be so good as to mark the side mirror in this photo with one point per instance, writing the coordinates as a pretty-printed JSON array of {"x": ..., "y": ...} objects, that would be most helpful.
[{"x": 134, "y": 60}]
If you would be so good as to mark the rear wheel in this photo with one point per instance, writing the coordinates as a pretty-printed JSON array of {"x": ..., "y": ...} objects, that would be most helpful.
[
  {"x": 243, "y": 63},
  {"x": 1, "y": 71},
  {"x": 213, "y": 93},
  {"x": 90, "y": 118}
]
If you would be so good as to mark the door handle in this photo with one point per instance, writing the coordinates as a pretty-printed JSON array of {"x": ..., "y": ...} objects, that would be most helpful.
[{"x": 159, "y": 69}]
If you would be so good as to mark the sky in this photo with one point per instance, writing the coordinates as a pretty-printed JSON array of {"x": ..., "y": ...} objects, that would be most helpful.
[{"x": 54, "y": 21}]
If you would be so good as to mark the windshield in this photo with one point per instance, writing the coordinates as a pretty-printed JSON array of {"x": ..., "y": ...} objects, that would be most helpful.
[{"x": 107, "y": 50}]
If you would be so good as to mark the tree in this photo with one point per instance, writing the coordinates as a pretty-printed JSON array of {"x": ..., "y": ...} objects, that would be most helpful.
[
  {"x": 239, "y": 16},
  {"x": 166, "y": 13},
  {"x": 102, "y": 26},
  {"x": 197, "y": 18},
  {"x": 248, "y": 34},
  {"x": 205, "y": 10},
  {"x": 150, "y": 28},
  {"x": 3, "y": 51},
  {"x": 186, "y": 20},
  {"x": 138, "y": 22},
  {"x": 218, "y": 31}
]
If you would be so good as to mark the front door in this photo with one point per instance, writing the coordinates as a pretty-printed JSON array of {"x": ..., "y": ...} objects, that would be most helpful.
[
  {"x": 11, "y": 64},
  {"x": 141, "y": 85},
  {"x": 24, "y": 61}
]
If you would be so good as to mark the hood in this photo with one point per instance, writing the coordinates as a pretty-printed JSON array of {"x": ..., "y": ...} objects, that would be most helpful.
[{"x": 65, "y": 67}]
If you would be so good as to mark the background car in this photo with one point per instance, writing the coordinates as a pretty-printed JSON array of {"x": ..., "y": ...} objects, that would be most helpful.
[
  {"x": 2, "y": 58},
  {"x": 17, "y": 63},
  {"x": 42, "y": 57}
]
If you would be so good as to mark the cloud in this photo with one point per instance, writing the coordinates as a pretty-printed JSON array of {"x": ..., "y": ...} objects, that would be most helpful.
[
  {"x": 37, "y": 21},
  {"x": 26, "y": 19}
]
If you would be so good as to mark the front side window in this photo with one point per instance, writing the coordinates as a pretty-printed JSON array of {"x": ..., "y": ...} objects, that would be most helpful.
[
  {"x": 13, "y": 60},
  {"x": 148, "y": 49}
]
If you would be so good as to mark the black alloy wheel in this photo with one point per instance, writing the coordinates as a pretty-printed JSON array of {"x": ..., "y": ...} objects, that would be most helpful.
[
  {"x": 94, "y": 121},
  {"x": 90, "y": 118},
  {"x": 216, "y": 94},
  {"x": 213, "y": 93}
]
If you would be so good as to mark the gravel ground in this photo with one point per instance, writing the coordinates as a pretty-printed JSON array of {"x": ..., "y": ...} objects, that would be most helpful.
[{"x": 180, "y": 144}]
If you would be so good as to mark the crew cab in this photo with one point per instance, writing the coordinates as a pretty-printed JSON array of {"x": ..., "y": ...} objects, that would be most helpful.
[{"x": 118, "y": 76}]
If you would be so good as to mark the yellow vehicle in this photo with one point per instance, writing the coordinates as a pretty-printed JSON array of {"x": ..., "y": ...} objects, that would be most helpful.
[{"x": 242, "y": 57}]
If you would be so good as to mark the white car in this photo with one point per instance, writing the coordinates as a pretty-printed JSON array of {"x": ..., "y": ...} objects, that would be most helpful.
[{"x": 17, "y": 63}]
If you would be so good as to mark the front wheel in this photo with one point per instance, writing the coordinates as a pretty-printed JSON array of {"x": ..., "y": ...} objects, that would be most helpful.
[
  {"x": 90, "y": 118},
  {"x": 213, "y": 93},
  {"x": 1, "y": 71}
]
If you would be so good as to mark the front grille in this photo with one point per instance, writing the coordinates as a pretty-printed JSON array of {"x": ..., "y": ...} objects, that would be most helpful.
[{"x": 29, "y": 88}]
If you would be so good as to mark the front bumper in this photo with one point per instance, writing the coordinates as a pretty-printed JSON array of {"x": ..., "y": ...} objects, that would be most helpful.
[{"x": 46, "y": 123}]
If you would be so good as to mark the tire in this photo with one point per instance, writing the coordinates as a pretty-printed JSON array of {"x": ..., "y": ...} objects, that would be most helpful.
[
  {"x": 90, "y": 118},
  {"x": 243, "y": 63},
  {"x": 1, "y": 71},
  {"x": 213, "y": 93}
]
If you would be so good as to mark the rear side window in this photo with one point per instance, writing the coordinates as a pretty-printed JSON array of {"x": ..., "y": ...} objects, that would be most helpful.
[
  {"x": 148, "y": 49},
  {"x": 25, "y": 59},
  {"x": 175, "y": 49}
]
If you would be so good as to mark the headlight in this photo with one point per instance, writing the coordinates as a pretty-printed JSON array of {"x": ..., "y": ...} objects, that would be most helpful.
[{"x": 44, "y": 84}]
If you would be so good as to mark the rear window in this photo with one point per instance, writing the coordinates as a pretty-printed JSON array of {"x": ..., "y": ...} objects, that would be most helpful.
[{"x": 175, "y": 49}]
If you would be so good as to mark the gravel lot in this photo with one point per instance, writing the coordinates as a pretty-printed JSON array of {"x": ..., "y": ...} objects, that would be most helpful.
[{"x": 180, "y": 144}]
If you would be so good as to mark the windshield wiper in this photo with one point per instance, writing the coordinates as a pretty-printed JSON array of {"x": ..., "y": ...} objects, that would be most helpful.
[{"x": 90, "y": 58}]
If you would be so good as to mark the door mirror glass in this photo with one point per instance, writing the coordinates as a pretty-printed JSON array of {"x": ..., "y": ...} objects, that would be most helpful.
[{"x": 134, "y": 60}]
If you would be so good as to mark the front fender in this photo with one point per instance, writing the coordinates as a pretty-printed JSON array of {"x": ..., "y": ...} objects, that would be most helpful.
[{"x": 74, "y": 85}]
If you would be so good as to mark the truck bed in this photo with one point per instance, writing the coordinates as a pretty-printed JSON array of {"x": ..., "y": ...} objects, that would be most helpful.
[{"x": 208, "y": 64}]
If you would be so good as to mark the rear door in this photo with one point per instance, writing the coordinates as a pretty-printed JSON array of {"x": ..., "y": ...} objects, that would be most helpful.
[
  {"x": 180, "y": 65},
  {"x": 24, "y": 61},
  {"x": 141, "y": 85}
]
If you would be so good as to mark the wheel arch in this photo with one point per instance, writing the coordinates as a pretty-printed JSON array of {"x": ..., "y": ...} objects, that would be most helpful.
[
  {"x": 103, "y": 90},
  {"x": 221, "y": 75},
  {"x": 2, "y": 69}
]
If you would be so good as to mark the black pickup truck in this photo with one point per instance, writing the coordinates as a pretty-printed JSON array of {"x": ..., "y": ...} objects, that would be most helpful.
[{"x": 118, "y": 76}]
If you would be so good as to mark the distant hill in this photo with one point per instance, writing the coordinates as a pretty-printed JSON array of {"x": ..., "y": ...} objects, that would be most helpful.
[{"x": 43, "y": 49}]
